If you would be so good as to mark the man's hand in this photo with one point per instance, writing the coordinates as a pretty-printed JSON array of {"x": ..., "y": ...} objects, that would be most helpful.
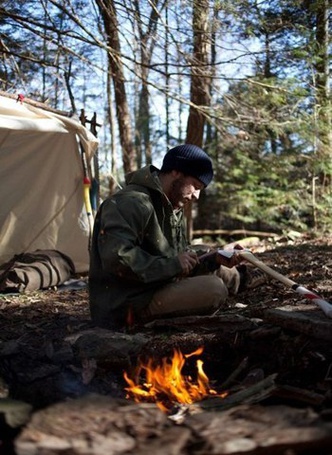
[{"x": 188, "y": 261}]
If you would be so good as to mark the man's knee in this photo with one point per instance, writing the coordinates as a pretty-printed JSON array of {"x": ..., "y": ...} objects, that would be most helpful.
[
  {"x": 216, "y": 291},
  {"x": 196, "y": 295}
]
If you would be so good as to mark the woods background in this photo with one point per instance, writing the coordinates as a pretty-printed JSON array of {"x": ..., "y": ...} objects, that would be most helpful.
[{"x": 249, "y": 81}]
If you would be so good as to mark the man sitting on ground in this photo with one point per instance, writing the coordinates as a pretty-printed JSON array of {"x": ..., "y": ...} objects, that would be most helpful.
[{"x": 142, "y": 266}]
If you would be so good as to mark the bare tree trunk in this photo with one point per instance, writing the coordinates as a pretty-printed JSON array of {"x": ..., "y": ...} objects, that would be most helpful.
[
  {"x": 199, "y": 88},
  {"x": 142, "y": 133},
  {"x": 167, "y": 78},
  {"x": 213, "y": 52},
  {"x": 146, "y": 44},
  {"x": 108, "y": 12},
  {"x": 114, "y": 176}
]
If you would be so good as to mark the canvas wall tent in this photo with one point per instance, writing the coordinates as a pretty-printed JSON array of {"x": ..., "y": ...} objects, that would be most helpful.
[{"x": 41, "y": 182}]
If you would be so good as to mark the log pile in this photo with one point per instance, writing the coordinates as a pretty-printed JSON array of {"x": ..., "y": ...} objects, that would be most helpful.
[{"x": 97, "y": 425}]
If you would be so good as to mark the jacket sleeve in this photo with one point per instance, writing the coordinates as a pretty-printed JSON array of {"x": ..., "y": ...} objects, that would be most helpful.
[{"x": 124, "y": 246}]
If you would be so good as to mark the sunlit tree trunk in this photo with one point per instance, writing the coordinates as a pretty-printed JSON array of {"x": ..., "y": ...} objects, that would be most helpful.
[
  {"x": 200, "y": 78},
  {"x": 108, "y": 13},
  {"x": 199, "y": 86},
  {"x": 213, "y": 52},
  {"x": 110, "y": 120},
  {"x": 167, "y": 78},
  {"x": 146, "y": 45}
]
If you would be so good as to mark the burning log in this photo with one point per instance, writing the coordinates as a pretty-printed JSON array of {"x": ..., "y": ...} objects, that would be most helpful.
[{"x": 165, "y": 384}]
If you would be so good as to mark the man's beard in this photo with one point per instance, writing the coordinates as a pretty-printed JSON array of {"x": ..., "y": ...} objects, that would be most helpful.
[{"x": 176, "y": 193}]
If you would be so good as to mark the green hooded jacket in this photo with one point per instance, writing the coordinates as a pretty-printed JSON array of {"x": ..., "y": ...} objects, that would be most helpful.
[{"x": 137, "y": 237}]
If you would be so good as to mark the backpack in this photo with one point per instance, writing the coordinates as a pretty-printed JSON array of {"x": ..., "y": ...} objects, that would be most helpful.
[{"x": 41, "y": 269}]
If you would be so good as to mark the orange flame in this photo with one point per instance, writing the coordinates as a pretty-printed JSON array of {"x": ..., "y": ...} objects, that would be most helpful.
[{"x": 165, "y": 384}]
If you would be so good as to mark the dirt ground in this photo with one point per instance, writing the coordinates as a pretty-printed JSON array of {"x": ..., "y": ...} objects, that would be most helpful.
[{"x": 38, "y": 366}]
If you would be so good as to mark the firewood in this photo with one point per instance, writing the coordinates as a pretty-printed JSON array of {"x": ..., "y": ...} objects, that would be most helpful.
[
  {"x": 298, "y": 395},
  {"x": 231, "y": 378},
  {"x": 303, "y": 318},
  {"x": 254, "y": 394},
  {"x": 255, "y": 429}
]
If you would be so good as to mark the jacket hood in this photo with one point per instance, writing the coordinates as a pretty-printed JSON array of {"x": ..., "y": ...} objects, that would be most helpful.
[{"x": 146, "y": 176}]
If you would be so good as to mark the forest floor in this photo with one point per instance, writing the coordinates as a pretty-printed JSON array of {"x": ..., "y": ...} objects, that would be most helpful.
[{"x": 40, "y": 364}]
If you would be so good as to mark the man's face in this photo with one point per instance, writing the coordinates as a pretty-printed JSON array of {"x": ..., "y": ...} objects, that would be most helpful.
[{"x": 184, "y": 188}]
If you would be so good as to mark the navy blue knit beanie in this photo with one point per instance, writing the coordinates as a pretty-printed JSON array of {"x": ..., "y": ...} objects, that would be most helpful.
[{"x": 191, "y": 160}]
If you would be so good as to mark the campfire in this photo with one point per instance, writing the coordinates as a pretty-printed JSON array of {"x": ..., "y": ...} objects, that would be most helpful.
[{"x": 165, "y": 384}]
